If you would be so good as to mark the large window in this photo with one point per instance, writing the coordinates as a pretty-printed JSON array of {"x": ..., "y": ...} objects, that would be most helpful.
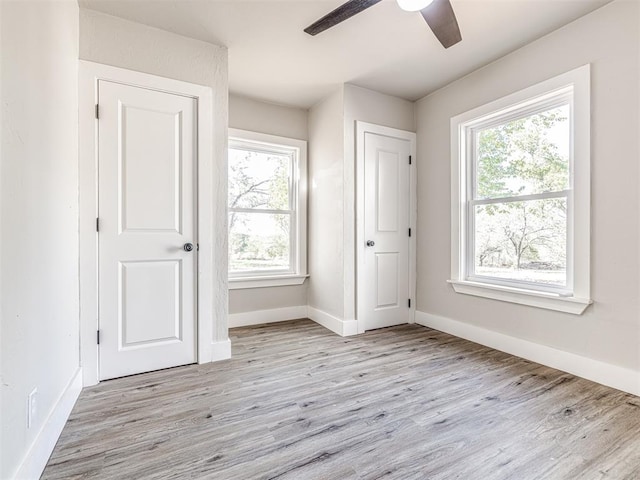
[
  {"x": 521, "y": 212},
  {"x": 267, "y": 210}
]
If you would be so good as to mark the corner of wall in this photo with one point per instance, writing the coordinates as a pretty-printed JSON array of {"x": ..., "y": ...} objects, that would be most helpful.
[
  {"x": 326, "y": 204},
  {"x": 344, "y": 328}
]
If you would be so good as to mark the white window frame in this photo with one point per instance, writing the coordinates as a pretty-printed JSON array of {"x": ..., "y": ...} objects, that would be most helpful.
[
  {"x": 298, "y": 209},
  {"x": 571, "y": 88}
]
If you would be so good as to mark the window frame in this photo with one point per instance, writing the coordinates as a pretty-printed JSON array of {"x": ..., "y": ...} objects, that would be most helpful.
[
  {"x": 572, "y": 88},
  {"x": 554, "y": 99},
  {"x": 297, "y": 149}
]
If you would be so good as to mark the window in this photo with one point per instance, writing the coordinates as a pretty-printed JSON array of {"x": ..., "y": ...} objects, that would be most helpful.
[
  {"x": 520, "y": 185},
  {"x": 267, "y": 210}
]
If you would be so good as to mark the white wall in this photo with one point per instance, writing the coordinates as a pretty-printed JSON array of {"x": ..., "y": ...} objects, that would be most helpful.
[
  {"x": 39, "y": 217},
  {"x": 121, "y": 43},
  {"x": 373, "y": 107},
  {"x": 256, "y": 116},
  {"x": 609, "y": 330},
  {"x": 332, "y": 220},
  {"x": 326, "y": 212}
]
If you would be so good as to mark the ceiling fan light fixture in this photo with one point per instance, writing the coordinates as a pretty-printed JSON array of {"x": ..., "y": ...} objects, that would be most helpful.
[{"x": 413, "y": 5}]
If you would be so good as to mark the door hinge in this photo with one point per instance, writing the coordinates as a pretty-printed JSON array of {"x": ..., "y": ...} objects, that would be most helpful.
[
  {"x": 97, "y": 224},
  {"x": 97, "y": 111},
  {"x": 409, "y": 155},
  {"x": 409, "y": 232},
  {"x": 409, "y": 303},
  {"x": 98, "y": 337}
]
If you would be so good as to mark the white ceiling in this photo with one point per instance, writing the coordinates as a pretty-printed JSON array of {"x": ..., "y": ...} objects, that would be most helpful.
[{"x": 383, "y": 48}]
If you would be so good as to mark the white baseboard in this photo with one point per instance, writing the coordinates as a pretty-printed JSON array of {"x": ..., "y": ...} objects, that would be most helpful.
[
  {"x": 38, "y": 455},
  {"x": 343, "y": 328},
  {"x": 258, "y": 317},
  {"x": 220, "y": 350},
  {"x": 614, "y": 376},
  {"x": 349, "y": 327}
]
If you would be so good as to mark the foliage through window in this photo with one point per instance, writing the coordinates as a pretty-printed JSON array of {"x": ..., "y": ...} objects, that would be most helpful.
[
  {"x": 520, "y": 191},
  {"x": 265, "y": 220}
]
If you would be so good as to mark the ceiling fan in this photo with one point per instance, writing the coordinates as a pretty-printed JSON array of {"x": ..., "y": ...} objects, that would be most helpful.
[{"x": 437, "y": 13}]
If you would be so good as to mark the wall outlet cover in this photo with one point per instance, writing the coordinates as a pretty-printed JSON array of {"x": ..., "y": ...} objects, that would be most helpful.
[{"x": 32, "y": 407}]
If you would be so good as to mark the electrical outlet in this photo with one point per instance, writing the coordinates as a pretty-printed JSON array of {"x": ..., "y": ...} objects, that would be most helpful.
[{"x": 32, "y": 407}]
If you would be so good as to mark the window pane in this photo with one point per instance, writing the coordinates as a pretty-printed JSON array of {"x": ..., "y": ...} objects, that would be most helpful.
[
  {"x": 259, "y": 242},
  {"x": 258, "y": 180},
  {"x": 523, "y": 241},
  {"x": 524, "y": 156}
]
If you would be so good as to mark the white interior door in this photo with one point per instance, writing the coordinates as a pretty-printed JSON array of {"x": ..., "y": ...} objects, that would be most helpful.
[
  {"x": 384, "y": 283},
  {"x": 147, "y": 147}
]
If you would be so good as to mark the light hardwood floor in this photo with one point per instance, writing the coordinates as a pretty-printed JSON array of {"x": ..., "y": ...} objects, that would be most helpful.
[{"x": 298, "y": 402}]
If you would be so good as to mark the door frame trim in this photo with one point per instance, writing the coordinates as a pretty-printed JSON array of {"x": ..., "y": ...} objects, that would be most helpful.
[
  {"x": 363, "y": 128},
  {"x": 207, "y": 348}
]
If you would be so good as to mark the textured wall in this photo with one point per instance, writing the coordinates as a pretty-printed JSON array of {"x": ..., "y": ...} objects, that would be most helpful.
[{"x": 39, "y": 216}]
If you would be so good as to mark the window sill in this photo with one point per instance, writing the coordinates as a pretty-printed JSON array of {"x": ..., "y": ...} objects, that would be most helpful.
[
  {"x": 261, "y": 282},
  {"x": 532, "y": 298}
]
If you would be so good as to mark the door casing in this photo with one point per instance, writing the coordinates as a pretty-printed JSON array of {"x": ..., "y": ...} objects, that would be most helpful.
[
  {"x": 361, "y": 129},
  {"x": 209, "y": 348}
]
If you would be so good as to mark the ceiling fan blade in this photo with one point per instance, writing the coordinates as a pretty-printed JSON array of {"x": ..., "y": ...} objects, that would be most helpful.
[
  {"x": 340, "y": 14},
  {"x": 440, "y": 17}
]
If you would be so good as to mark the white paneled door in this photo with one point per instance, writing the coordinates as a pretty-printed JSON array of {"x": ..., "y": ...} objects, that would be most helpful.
[
  {"x": 147, "y": 147},
  {"x": 384, "y": 289}
]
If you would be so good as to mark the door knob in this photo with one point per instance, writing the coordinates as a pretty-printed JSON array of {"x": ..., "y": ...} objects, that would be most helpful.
[
  {"x": 187, "y": 247},
  {"x": 370, "y": 243}
]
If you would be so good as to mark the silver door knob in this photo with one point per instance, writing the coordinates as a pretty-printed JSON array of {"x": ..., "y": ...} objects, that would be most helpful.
[
  {"x": 370, "y": 243},
  {"x": 187, "y": 247}
]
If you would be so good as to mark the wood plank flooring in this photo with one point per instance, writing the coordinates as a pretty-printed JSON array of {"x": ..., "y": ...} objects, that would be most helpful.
[{"x": 297, "y": 402}]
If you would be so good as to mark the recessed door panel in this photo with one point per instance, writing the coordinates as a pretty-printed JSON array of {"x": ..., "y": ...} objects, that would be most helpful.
[
  {"x": 387, "y": 280},
  {"x": 150, "y": 290},
  {"x": 387, "y": 191},
  {"x": 147, "y": 281},
  {"x": 150, "y": 151}
]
